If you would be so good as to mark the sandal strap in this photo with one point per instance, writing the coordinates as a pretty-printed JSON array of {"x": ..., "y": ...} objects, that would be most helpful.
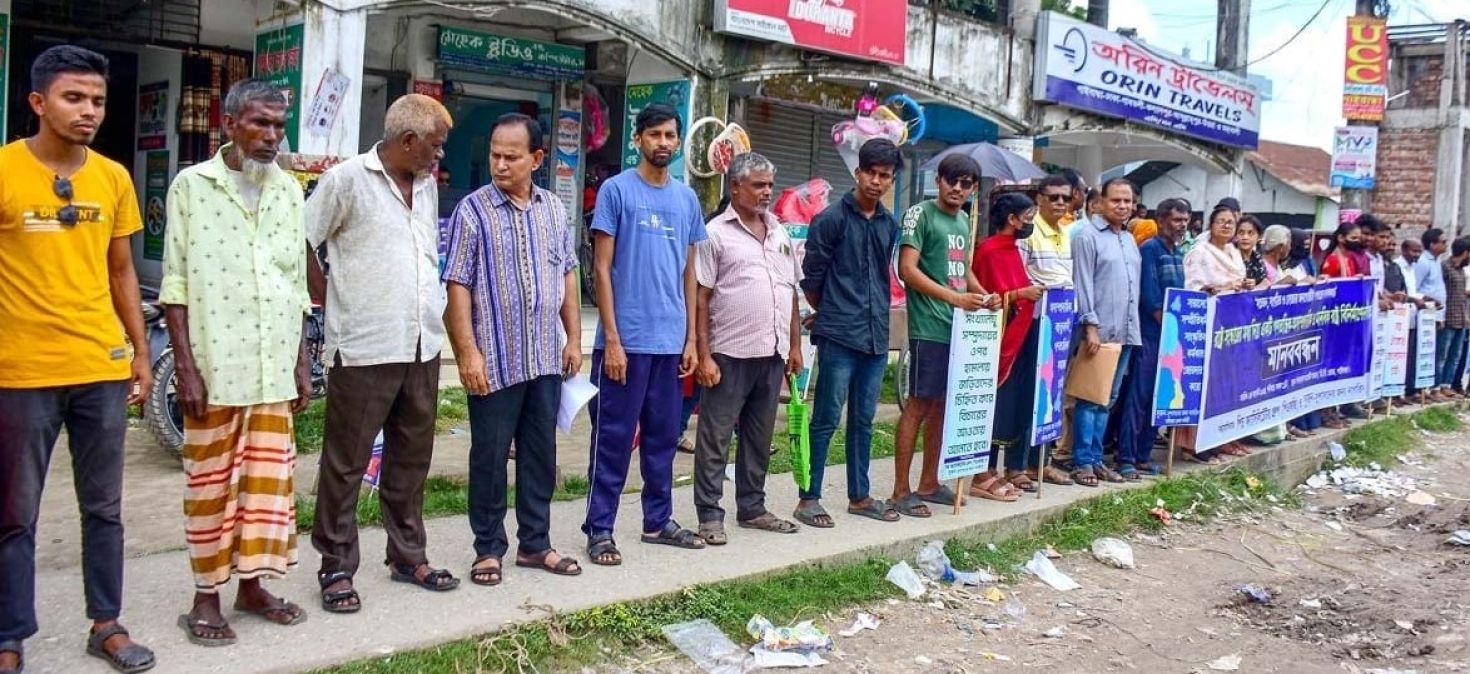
[
  {"x": 101, "y": 636},
  {"x": 435, "y": 575},
  {"x": 335, "y": 596},
  {"x": 563, "y": 564},
  {"x": 332, "y": 578}
]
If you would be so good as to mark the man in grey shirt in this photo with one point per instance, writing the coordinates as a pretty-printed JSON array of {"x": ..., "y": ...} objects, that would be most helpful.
[{"x": 1105, "y": 271}]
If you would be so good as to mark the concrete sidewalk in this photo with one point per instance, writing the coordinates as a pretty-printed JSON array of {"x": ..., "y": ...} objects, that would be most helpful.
[{"x": 399, "y": 617}]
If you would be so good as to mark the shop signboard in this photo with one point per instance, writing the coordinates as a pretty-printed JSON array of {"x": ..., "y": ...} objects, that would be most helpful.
[
  {"x": 434, "y": 90},
  {"x": 568, "y": 148},
  {"x": 4, "y": 68},
  {"x": 1365, "y": 73},
  {"x": 499, "y": 55},
  {"x": 640, "y": 96},
  {"x": 872, "y": 30},
  {"x": 1354, "y": 157},
  {"x": 1089, "y": 68},
  {"x": 155, "y": 192},
  {"x": 153, "y": 116},
  {"x": 278, "y": 61}
]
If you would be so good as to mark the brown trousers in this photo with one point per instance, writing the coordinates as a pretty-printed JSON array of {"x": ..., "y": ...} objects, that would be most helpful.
[{"x": 401, "y": 399}]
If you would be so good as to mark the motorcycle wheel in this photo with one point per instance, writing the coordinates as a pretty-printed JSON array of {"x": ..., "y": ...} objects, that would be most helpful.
[{"x": 161, "y": 411}]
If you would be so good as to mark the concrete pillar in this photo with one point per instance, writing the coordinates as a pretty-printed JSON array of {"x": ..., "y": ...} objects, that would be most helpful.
[
  {"x": 334, "y": 42},
  {"x": 1449, "y": 168},
  {"x": 1023, "y": 18},
  {"x": 1090, "y": 163}
]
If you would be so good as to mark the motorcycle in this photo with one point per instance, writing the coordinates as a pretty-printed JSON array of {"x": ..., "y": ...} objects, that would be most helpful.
[{"x": 161, "y": 411}]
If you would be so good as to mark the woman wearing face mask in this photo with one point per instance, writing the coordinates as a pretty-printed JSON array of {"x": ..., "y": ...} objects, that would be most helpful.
[
  {"x": 1247, "y": 238},
  {"x": 999, "y": 267},
  {"x": 1215, "y": 265},
  {"x": 1343, "y": 255}
]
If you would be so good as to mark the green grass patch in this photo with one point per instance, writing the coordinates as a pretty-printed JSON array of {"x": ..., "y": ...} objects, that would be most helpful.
[
  {"x": 454, "y": 411},
  {"x": 1381, "y": 442},
  {"x": 883, "y": 438},
  {"x": 443, "y": 496},
  {"x": 888, "y": 395},
  {"x": 592, "y": 636}
]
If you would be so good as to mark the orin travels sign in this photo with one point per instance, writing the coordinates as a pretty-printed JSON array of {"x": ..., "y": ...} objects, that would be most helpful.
[
  {"x": 1082, "y": 66},
  {"x": 1365, "y": 73},
  {"x": 873, "y": 30}
]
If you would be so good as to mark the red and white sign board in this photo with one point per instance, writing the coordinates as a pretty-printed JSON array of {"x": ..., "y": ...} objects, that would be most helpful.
[{"x": 873, "y": 30}]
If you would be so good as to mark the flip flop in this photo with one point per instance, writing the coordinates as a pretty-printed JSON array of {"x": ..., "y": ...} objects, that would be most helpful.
[
  {"x": 566, "y": 566},
  {"x": 675, "y": 536},
  {"x": 1107, "y": 474},
  {"x": 1022, "y": 481},
  {"x": 188, "y": 624},
  {"x": 876, "y": 509},
  {"x": 1191, "y": 457},
  {"x": 808, "y": 515},
  {"x": 771, "y": 523},
  {"x": 289, "y": 613},
  {"x": 912, "y": 506},
  {"x": 487, "y": 576},
  {"x": 942, "y": 496},
  {"x": 600, "y": 547},
  {"x": 993, "y": 488},
  {"x": 1085, "y": 477},
  {"x": 1056, "y": 476}
]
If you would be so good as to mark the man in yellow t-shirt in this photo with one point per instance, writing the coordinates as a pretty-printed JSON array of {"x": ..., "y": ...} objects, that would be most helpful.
[{"x": 68, "y": 293}]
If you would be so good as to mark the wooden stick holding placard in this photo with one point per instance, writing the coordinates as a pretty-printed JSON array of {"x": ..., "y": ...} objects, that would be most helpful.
[
  {"x": 1041, "y": 468},
  {"x": 959, "y": 493},
  {"x": 1169, "y": 460}
]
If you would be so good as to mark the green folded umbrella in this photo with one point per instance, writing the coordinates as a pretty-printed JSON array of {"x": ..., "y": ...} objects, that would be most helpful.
[{"x": 798, "y": 428}]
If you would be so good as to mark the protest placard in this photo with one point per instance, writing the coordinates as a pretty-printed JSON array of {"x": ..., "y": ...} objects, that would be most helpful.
[{"x": 969, "y": 408}]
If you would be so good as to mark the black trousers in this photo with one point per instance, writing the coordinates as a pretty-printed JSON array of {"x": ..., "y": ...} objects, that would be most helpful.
[
  {"x": 745, "y": 399},
  {"x": 525, "y": 413},
  {"x": 96, "y": 421},
  {"x": 402, "y": 399}
]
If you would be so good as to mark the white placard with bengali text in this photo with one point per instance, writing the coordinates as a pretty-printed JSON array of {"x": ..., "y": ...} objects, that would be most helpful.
[{"x": 969, "y": 406}]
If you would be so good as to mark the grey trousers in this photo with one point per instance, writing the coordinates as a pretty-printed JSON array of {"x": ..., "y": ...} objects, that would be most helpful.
[{"x": 745, "y": 399}]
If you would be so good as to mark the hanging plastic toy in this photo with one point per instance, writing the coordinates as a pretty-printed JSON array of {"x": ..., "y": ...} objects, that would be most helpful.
[
  {"x": 594, "y": 113},
  {"x": 731, "y": 142}
]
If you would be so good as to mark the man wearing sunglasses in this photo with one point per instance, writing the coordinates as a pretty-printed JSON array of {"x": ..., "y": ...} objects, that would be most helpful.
[
  {"x": 66, "y": 214},
  {"x": 933, "y": 261}
]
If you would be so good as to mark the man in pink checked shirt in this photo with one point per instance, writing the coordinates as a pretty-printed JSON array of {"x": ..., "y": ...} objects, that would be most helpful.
[{"x": 748, "y": 336}]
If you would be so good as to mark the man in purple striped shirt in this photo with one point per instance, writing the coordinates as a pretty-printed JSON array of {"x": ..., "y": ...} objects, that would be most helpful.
[{"x": 511, "y": 272}]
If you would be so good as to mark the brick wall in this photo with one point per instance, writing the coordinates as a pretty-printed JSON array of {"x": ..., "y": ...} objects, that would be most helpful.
[
  {"x": 1405, "y": 186},
  {"x": 1423, "y": 76}
]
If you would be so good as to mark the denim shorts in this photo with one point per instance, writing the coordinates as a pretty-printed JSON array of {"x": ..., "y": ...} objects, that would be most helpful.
[{"x": 928, "y": 369}]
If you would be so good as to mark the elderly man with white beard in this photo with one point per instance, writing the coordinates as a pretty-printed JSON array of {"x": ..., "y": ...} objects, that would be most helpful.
[{"x": 234, "y": 291}]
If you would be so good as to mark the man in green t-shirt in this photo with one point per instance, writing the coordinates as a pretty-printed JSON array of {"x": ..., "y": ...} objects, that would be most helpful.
[{"x": 934, "y": 264}]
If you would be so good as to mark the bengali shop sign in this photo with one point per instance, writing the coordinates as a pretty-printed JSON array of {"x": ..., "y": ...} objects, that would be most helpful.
[
  {"x": 872, "y": 30},
  {"x": 499, "y": 55},
  {"x": 1277, "y": 354},
  {"x": 1082, "y": 66},
  {"x": 278, "y": 61},
  {"x": 1054, "y": 323},
  {"x": 969, "y": 411},
  {"x": 1365, "y": 73},
  {"x": 1179, "y": 385},
  {"x": 1355, "y": 157}
]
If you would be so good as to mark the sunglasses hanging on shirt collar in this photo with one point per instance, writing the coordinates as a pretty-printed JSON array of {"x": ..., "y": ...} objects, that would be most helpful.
[{"x": 68, "y": 214}]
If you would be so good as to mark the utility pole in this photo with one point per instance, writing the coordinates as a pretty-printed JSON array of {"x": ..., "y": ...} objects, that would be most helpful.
[
  {"x": 1232, "y": 52},
  {"x": 1359, "y": 199},
  {"x": 1233, "y": 35},
  {"x": 1097, "y": 12}
]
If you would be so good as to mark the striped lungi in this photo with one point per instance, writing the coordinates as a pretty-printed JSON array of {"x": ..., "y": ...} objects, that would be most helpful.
[{"x": 240, "y": 512}]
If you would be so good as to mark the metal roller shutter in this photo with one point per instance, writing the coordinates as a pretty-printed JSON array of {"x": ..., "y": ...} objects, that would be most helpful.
[{"x": 798, "y": 141}]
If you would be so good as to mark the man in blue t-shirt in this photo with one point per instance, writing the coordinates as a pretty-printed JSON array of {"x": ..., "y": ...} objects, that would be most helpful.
[{"x": 645, "y": 226}]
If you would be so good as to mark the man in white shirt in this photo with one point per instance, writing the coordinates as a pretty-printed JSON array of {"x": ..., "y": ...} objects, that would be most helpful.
[{"x": 377, "y": 214}]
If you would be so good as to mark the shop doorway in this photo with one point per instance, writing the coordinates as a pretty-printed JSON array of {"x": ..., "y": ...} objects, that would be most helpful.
[{"x": 467, "y": 153}]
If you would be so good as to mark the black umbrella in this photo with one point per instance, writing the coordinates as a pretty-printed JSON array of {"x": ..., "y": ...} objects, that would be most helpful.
[{"x": 995, "y": 162}]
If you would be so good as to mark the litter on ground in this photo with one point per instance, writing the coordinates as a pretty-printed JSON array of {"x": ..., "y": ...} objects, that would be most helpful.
[{"x": 1043, "y": 569}]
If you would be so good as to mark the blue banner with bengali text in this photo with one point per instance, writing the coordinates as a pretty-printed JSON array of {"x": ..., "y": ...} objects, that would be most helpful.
[
  {"x": 1179, "y": 385},
  {"x": 1055, "y": 315},
  {"x": 1277, "y": 354}
]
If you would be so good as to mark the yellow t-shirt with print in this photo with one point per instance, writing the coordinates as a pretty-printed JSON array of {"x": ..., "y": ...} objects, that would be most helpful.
[{"x": 57, "y": 323}]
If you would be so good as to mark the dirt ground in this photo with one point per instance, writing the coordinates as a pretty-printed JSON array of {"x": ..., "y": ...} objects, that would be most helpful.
[{"x": 1362, "y": 584}]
